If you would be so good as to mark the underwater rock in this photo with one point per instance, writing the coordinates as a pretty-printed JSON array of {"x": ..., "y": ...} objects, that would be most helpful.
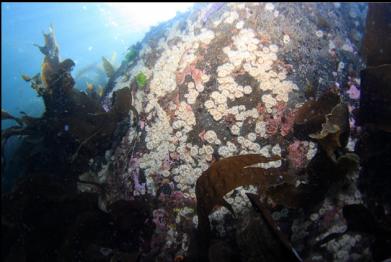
[
  {"x": 261, "y": 240},
  {"x": 374, "y": 114},
  {"x": 377, "y": 39},
  {"x": 296, "y": 154},
  {"x": 361, "y": 219},
  {"x": 224, "y": 83},
  {"x": 221, "y": 83},
  {"x": 45, "y": 218},
  {"x": 375, "y": 100}
]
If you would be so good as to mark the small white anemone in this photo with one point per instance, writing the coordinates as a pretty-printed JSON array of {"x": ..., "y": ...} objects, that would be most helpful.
[
  {"x": 210, "y": 136},
  {"x": 224, "y": 151},
  {"x": 209, "y": 104},
  {"x": 247, "y": 90},
  {"x": 235, "y": 130},
  {"x": 252, "y": 137}
]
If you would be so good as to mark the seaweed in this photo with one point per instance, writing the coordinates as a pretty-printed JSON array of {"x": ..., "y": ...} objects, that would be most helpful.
[
  {"x": 311, "y": 115},
  {"x": 108, "y": 67},
  {"x": 265, "y": 237},
  {"x": 335, "y": 131},
  {"x": 74, "y": 126},
  {"x": 43, "y": 218},
  {"x": 225, "y": 175},
  {"x": 7, "y": 116},
  {"x": 131, "y": 54},
  {"x": 141, "y": 80}
]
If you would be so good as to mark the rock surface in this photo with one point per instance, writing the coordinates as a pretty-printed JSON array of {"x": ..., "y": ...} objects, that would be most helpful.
[{"x": 227, "y": 80}]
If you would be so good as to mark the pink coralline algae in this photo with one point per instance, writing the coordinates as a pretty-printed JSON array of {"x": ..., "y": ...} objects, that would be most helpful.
[
  {"x": 142, "y": 124},
  {"x": 353, "y": 92},
  {"x": 297, "y": 154},
  {"x": 159, "y": 219},
  {"x": 330, "y": 216},
  {"x": 191, "y": 70},
  {"x": 287, "y": 122},
  {"x": 272, "y": 126},
  {"x": 283, "y": 119},
  {"x": 201, "y": 135}
]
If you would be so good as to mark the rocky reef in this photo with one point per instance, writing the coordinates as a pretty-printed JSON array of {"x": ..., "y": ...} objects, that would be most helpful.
[{"x": 244, "y": 123}]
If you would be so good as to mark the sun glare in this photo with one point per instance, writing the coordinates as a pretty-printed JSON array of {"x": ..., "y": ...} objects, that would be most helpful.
[{"x": 141, "y": 16}]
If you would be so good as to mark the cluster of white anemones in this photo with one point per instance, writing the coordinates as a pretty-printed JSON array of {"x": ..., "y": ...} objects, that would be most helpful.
[
  {"x": 239, "y": 202},
  {"x": 195, "y": 89},
  {"x": 184, "y": 118},
  {"x": 173, "y": 59},
  {"x": 257, "y": 60},
  {"x": 159, "y": 139},
  {"x": 230, "y": 17},
  {"x": 206, "y": 152},
  {"x": 185, "y": 176},
  {"x": 240, "y": 113},
  {"x": 211, "y": 137},
  {"x": 227, "y": 150},
  {"x": 260, "y": 128}
]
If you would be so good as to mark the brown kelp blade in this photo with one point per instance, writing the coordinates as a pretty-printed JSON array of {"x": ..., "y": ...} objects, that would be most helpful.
[
  {"x": 108, "y": 67},
  {"x": 220, "y": 178},
  {"x": 311, "y": 115},
  {"x": 335, "y": 131},
  {"x": 226, "y": 175},
  {"x": 7, "y": 116},
  {"x": 284, "y": 249}
]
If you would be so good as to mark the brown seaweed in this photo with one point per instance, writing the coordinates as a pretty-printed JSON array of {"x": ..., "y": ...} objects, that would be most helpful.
[
  {"x": 74, "y": 124},
  {"x": 271, "y": 245},
  {"x": 311, "y": 115},
  {"x": 335, "y": 131},
  {"x": 26, "y": 78},
  {"x": 7, "y": 116},
  {"x": 226, "y": 175},
  {"x": 108, "y": 67}
]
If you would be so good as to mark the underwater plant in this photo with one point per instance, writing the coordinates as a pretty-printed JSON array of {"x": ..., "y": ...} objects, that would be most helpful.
[
  {"x": 108, "y": 67},
  {"x": 141, "y": 79},
  {"x": 131, "y": 55},
  {"x": 73, "y": 122}
]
